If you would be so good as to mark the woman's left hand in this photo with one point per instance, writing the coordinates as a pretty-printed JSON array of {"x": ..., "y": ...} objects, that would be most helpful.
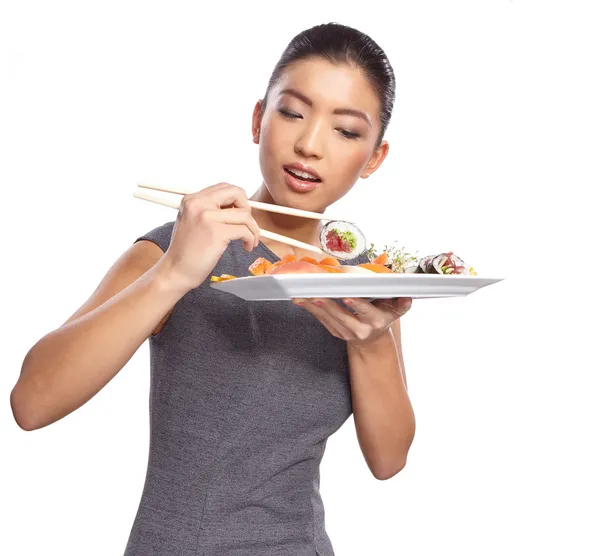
[{"x": 365, "y": 325}]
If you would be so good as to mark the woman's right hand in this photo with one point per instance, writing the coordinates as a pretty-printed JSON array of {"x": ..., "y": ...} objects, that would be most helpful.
[{"x": 207, "y": 221}]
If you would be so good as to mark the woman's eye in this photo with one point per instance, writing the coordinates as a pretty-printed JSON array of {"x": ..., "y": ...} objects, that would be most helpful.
[
  {"x": 292, "y": 116},
  {"x": 288, "y": 115},
  {"x": 349, "y": 134}
]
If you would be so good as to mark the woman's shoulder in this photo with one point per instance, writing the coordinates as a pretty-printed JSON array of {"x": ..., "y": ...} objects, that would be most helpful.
[{"x": 161, "y": 235}]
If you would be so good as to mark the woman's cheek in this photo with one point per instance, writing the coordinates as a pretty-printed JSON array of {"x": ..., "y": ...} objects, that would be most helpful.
[
  {"x": 267, "y": 150},
  {"x": 353, "y": 166}
]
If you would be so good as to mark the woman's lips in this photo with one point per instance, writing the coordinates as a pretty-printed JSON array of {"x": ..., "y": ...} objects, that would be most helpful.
[{"x": 299, "y": 185}]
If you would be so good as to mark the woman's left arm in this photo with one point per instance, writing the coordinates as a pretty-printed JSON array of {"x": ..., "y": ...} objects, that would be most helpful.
[{"x": 383, "y": 414}]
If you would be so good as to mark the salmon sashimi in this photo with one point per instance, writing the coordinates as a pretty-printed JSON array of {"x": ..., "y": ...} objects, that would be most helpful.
[
  {"x": 330, "y": 261},
  {"x": 296, "y": 267},
  {"x": 374, "y": 267},
  {"x": 331, "y": 269},
  {"x": 260, "y": 266},
  {"x": 382, "y": 259}
]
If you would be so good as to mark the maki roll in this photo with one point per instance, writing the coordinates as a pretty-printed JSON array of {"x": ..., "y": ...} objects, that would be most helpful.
[
  {"x": 342, "y": 240},
  {"x": 445, "y": 263},
  {"x": 423, "y": 264}
]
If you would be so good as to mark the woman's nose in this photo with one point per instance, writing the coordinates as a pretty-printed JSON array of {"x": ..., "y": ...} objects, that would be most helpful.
[{"x": 310, "y": 141}]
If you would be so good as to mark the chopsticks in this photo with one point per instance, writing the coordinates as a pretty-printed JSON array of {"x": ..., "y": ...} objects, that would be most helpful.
[
  {"x": 254, "y": 204},
  {"x": 175, "y": 203}
]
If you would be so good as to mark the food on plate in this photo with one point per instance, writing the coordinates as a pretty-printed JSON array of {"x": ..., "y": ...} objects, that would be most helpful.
[
  {"x": 390, "y": 261},
  {"x": 222, "y": 278},
  {"x": 297, "y": 267},
  {"x": 260, "y": 266},
  {"x": 445, "y": 263},
  {"x": 375, "y": 267},
  {"x": 290, "y": 265},
  {"x": 342, "y": 240},
  {"x": 400, "y": 261},
  {"x": 382, "y": 259},
  {"x": 397, "y": 259},
  {"x": 332, "y": 269},
  {"x": 330, "y": 261}
]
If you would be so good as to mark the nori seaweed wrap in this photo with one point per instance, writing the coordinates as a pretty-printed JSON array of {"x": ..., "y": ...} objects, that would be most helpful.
[{"x": 445, "y": 263}]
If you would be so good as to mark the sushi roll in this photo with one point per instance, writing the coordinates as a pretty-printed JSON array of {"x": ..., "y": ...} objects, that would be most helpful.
[
  {"x": 445, "y": 263},
  {"x": 423, "y": 264},
  {"x": 342, "y": 240}
]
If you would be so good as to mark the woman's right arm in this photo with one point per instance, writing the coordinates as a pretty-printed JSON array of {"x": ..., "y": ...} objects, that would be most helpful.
[
  {"x": 68, "y": 366},
  {"x": 71, "y": 364}
]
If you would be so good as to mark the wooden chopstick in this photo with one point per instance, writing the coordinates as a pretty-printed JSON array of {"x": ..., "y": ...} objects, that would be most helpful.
[
  {"x": 175, "y": 203},
  {"x": 254, "y": 204}
]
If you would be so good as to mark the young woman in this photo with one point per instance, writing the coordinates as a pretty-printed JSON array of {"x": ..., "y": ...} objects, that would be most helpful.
[{"x": 245, "y": 395}]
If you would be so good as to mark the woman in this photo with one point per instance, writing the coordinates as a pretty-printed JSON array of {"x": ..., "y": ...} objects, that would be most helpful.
[{"x": 244, "y": 395}]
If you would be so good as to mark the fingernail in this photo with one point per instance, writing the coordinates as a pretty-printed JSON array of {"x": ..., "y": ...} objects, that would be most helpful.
[
  {"x": 348, "y": 301},
  {"x": 319, "y": 303}
]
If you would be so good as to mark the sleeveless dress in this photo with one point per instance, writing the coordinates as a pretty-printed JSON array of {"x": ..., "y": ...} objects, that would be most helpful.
[{"x": 243, "y": 397}]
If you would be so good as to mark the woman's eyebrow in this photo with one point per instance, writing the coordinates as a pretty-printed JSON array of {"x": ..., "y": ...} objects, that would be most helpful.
[{"x": 341, "y": 111}]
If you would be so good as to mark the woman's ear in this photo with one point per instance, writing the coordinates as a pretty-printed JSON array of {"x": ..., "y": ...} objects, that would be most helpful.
[
  {"x": 256, "y": 121},
  {"x": 376, "y": 159}
]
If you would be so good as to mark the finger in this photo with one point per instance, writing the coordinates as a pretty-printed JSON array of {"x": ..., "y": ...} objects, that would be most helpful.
[
  {"x": 337, "y": 312},
  {"x": 219, "y": 195},
  {"x": 340, "y": 319},
  {"x": 232, "y": 195},
  {"x": 398, "y": 306},
  {"x": 240, "y": 231},
  {"x": 370, "y": 314},
  {"x": 326, "y": 320},
  {"x": 238, "y": 216}
]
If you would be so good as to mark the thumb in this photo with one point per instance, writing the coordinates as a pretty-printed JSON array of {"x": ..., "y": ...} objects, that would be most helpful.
[
  {"x": 398, "y": 306},
  {"x": 403, "y": 303}
]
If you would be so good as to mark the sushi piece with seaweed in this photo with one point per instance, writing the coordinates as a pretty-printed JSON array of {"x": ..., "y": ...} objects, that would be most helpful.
[
  {"x": 342, "y": 240},
  {"x": 423, "y": 265},
  {"x": 444, "y": 263}
]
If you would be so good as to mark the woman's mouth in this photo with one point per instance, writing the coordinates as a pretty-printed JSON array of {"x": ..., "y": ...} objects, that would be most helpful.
[{"x": 299, "y": 181}]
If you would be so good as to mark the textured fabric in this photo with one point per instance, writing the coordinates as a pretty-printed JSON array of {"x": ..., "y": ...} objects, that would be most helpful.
[{"x": 243, "y": 396}]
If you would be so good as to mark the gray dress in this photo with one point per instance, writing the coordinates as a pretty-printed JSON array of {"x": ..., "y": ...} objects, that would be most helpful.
[{"x": 243, "y": 397}]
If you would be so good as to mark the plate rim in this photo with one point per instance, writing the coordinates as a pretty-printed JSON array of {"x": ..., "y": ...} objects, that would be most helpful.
[{"x": 357, "y": 276}]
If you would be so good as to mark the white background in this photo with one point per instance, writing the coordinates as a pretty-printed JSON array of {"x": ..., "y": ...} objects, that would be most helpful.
[{"x": 494, "y": 155}]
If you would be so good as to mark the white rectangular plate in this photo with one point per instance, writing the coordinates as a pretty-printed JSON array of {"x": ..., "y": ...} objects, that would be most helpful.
[{"x": 289, "y": 286}]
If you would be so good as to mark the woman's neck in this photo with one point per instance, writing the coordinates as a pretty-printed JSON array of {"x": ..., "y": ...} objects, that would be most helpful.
[{"x": 306, "y": 230}]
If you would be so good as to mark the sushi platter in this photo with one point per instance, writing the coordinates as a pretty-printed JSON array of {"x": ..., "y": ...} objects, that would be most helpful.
[{"x": 443, "y": 275}]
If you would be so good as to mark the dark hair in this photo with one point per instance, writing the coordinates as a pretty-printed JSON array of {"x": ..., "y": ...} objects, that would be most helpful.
[{"x": 343, "y": 45}]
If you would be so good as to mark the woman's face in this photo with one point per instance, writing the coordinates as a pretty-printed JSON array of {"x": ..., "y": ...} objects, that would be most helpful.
[{"x": 324, "y": 117}]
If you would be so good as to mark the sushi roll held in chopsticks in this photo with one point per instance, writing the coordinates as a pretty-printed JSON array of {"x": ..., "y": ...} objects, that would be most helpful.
[{"x": 342, "y": 240}]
